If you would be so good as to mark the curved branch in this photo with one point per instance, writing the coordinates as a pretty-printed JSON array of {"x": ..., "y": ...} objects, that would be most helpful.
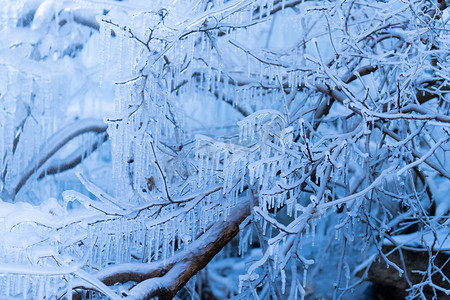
[
  {"x": 72, "y": 160},
  {"x": 165, "y": 279},
  {"x": 55, "y": 143}
]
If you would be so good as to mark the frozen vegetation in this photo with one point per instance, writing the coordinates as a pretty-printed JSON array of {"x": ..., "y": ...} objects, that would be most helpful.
[{"x": 224, "y": 149}]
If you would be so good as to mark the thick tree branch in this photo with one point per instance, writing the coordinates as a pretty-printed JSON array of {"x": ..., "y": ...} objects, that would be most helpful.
[{"x": 165, "y": 279}]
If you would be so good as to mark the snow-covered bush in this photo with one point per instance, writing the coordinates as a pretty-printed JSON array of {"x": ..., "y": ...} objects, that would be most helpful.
[{"x": 138, "y": 138}]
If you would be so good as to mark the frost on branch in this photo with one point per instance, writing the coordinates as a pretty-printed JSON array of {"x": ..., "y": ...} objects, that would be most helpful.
[{"x": 318, "y": 130}]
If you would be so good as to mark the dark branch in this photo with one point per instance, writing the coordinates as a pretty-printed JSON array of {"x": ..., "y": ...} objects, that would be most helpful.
[{"x": 158, "y": 279}]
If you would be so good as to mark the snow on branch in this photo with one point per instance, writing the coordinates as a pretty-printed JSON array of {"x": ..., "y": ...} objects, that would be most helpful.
[
  {"x": 324, "y": 125},
  {"x": 163, "y": 279}
]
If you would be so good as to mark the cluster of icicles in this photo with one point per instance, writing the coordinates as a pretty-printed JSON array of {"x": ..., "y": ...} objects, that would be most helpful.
[
  {"x": 31, "y": 104},
  {"x": 255, "y": 160},
  {"x": 41, "y": 256},
  {"x": 153, "y": 82},
  {"x": 116, "y": 241}
]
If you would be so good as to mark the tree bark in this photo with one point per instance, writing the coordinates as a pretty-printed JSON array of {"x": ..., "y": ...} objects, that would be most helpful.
[{"x": 164, "y": 280}]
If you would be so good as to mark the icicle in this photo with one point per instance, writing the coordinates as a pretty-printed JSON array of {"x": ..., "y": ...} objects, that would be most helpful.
[
  {"x": 49, "y": 287},
  {"x": 17, "y": 283},
  {"x": 283, "y": 281},
  {"x": 174, "y": 235},
  {"x": 290, "y": 80},
  {"x": 8, "y": 284},
  {"x": 25, "y": 287},
  {"x": 347, "y": 274},
  {"x": 157, "y": 233},
  {"x": 108, "y": 248},
  {"x": 264, "y": 224},
  {"x": 127, "y": 240},
  {"x": 244, "y": 131},
  {"x": 118, "y": 243},
  {"x": 251, "y": 174},
  {"x": 201, "y": 170},
  {"x": 150, "y": 240},
  {"x": 103, "y": 41},
  {"x": 41, "y": 288},
  {"x": 248, "y": 65},
  {"x": 305, "y": 273},
  {"x": 241, "y": 242},
  {"x": 165, "y": 242}
]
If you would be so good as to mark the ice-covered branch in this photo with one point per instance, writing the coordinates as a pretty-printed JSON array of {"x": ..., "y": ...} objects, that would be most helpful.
[
  {"x": 55, "y": 143},
  {"x": 163, "y": 279},
  {"x": 72, "y": 160}
]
